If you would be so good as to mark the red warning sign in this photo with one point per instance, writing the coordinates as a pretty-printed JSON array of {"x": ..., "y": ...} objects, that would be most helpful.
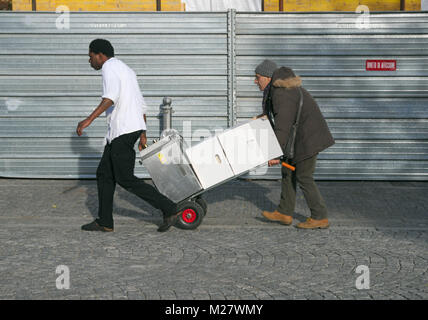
[{"x": 381, "y": 65}]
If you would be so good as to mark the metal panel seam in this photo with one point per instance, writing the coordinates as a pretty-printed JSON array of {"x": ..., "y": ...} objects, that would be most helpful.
[{"x": 231, "y": 55}]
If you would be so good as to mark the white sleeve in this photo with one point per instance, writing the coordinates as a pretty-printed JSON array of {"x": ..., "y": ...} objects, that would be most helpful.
[
  {"x": 143, "y": 105},
  {"x": 139, "y": 95},
  {"x": 111, "y": 85}
]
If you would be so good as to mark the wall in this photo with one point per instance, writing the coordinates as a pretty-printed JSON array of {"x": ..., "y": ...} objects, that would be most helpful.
[
  {"x": 378, "y": 118},
  {"x": 47, "y": 85},
  {"x": 205, "y": 62}
]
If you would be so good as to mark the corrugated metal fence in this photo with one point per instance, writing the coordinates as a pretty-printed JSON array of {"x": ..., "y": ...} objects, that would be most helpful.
[
  {"x": 47, "y": 84},
  {"x": 379, "y": 119},
  {"x": 205, "y": 62}
]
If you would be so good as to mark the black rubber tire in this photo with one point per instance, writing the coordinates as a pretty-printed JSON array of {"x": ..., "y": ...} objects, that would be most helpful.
[
  {"x": 199, "y": 200},
  {"x": 196, "y": 214}
]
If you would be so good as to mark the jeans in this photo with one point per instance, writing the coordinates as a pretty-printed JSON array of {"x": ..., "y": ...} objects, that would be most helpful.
[{"x": 117, "y": 166}]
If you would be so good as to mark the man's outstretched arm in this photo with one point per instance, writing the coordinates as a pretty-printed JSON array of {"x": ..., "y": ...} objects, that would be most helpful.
[
  {"x": 102, "y": 107},
  {"x": 143, "y": 138}
]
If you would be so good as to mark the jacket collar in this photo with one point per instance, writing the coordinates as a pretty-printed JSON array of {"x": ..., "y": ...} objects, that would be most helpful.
[{"x": 292, "y": 82}]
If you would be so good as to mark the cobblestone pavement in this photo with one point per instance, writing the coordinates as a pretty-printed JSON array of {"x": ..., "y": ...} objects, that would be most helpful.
[{"x": 234, "y": 254}]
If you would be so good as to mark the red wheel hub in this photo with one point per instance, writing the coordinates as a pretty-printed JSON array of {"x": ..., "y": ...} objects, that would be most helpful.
[{"x": 189, "y": 215}]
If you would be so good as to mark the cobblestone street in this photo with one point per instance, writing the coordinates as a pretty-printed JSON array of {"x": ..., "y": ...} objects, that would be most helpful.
[{"x": 234, "y": 254}]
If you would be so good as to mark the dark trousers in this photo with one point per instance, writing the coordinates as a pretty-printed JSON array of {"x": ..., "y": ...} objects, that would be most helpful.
[
  {"x": 117, "y": 166},
  {"x": 304, "y": 177}
]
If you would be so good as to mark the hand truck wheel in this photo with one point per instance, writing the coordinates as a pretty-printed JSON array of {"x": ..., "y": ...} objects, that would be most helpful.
[{"x": 191, "y": 215}]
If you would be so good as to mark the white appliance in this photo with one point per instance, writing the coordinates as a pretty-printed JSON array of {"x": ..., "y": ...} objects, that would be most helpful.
[
  {"x": 209, "y": 162},
  {"x": 233, "y": 152},
  {"x": 249, "y": 145}
]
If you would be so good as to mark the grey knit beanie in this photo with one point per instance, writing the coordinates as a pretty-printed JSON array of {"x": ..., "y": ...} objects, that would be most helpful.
[{"x": 266, "y": 68}]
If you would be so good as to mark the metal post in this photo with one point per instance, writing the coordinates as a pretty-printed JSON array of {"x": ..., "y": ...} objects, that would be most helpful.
[{"x": 166, "y": 114}]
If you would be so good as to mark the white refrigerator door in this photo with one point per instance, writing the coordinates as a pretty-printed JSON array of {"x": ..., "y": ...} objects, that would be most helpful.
[
  {"x": 249, "y": 145},
  {"x": 209, "y": 162}
]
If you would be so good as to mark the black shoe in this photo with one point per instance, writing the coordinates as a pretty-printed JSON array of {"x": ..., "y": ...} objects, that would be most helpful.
[
  {"x": 94, "y": 226},
  {"x": 168, "y": 222}
]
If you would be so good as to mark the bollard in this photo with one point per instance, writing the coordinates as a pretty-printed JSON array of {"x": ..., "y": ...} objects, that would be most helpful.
[{"x": 166, "y": 111}]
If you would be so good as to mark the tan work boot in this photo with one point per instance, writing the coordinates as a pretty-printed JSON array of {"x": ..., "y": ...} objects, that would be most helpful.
[
  {"x": 313, "y": 224},
  {"x": 278, "y": 217}
]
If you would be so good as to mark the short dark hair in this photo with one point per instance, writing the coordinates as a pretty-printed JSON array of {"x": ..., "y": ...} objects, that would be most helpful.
[{"x": 101, "y": 46}]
